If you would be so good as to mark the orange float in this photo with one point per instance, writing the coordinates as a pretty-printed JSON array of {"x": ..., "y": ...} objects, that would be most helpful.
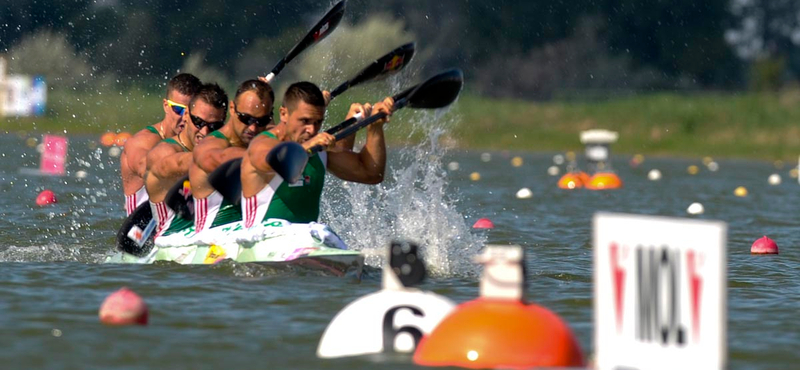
[
  {"x": 108, "y": 139},
  {"x": 500, "y": 333},
  {"x": 604, "y": 180},
  {"x": 572, "y": 180},
  {"x": 121, "y": 138}
]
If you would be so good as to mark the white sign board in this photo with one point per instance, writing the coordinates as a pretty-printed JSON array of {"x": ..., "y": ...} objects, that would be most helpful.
[{"x": 659, "y": 292}]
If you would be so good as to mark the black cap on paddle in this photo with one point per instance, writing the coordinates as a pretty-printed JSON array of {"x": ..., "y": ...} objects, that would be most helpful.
[{"x": 288, "y": 159}]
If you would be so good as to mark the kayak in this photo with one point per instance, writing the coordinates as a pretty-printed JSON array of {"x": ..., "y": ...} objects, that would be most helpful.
[{"x": 274, "y": 241}]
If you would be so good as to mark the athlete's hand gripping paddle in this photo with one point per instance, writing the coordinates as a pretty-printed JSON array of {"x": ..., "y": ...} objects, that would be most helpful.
[{"x": 288, "y": 159}]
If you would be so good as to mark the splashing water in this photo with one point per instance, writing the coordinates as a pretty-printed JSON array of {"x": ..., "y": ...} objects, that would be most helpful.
[{"x": 412, "y": 204}]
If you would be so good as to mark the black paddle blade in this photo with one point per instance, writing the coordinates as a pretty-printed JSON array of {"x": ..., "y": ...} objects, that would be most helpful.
[
  {"x": 132, "y": 232},
  {"x": 179, "y": 198},
  {"x": 227, "y": 181},
  {"x": 322, "y": 29},
  {"x": 381, "y": 68},
  {"x": 288, "y": 159},
  {"x": 438, "y": 91},
  {"x": 406, "y": 263}
]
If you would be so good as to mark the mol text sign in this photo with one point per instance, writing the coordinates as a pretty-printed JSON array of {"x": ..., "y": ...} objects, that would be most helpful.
[{"x": 659, "y": 292}]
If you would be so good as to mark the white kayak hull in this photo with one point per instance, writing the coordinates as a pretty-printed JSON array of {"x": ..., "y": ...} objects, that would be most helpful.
[{"x": 273, "y": 242}]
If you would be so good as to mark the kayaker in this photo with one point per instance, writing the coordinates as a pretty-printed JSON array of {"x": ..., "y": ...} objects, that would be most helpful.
[
  {"x": 133, "y": 160},
  {"x": 171, "y": 158},
  {"x": 251, "y": 112},
  {"x": 265, "y": 195}
]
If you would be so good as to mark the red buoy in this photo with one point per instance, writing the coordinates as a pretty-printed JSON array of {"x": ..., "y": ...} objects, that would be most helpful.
[
  {"x": 46, "y": 197},
  {"x": 764, "y": 245},
  {"x": 483, "y": 223},
  {"x": 123, "y": 307}
]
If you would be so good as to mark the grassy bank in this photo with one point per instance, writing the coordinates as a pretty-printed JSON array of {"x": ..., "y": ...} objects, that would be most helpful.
[{"x": 752, "y": 125}]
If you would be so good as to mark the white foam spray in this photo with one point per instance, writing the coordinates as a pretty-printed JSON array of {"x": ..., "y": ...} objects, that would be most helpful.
[{"x": 413, "y": 203}]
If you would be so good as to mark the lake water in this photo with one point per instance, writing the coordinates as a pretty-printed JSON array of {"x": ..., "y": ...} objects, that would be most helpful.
[{"x": 250, "y": 316}]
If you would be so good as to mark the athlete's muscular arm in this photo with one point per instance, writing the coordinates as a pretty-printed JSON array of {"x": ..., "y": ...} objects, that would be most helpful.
[
  {"x": 233, "y": 153},
  {"x": 369, "y": 165},
  {"x": 258, "y": 150},
  {"x": 166, "y": 161},
  {"x": 209, "y": 154},
  {"x": 135, "y": 152}
]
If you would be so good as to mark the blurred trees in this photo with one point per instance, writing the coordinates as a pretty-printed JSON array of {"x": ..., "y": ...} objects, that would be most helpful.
[{"x": 528, "y": 49}]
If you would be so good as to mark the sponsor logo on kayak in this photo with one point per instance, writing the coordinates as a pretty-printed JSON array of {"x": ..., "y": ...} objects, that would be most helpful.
[{"x": 322, "y": 30}]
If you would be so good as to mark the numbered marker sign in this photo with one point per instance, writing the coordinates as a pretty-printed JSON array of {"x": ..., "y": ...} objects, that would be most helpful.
[
  {"x": 388, "y": 321},
  {"x": 659, "y": 292}
]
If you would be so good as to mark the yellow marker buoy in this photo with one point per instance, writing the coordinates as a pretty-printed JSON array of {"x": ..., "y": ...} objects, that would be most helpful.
[
  {"x": 516, "y": 161},
  {"x": 740, "y": 191},
  {"x": 570, "y": 156},
  {"x": 570, "y": 180},
  {"x": 707, "y": 160},
  {"x": 693, "y": 170},
  {"x": 474, "y": 176},
  {"x": 793, "y": 173},
  {"x": 31, "y": 142}
]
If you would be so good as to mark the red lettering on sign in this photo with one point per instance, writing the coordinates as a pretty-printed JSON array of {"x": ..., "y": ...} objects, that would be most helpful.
[
  {"x": 618, "y": 274},
  {"x": 695, "y": 288}
]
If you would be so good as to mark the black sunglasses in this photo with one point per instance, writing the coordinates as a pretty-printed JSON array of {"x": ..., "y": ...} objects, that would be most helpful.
[
  {"x": 200, "y": 123},
  {"x": 251, "y": 120}
]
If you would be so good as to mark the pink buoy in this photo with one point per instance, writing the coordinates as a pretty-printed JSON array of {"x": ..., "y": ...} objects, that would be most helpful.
[
  {"x": 46, "y": 197},
  {"x": 123, "y": 307},
  {"x": 764, "y": 245},
  {"x": 483, "y": 223}
]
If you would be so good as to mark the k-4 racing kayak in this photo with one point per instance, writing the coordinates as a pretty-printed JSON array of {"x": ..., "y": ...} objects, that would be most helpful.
[{"x": 274, "y": 241}]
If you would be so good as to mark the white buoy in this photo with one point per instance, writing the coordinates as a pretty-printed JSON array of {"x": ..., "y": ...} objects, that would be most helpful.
[
  {"x": 713, "y": 166},
  {"x": 114, "y": 151},
  {"x": 453, "y": 166},
  {"x": 695, "y": 209},
  {"x": 524, "y": 193},
  {"x": 774, "y": 179},
  {"x": 392, "y": 320},
  {"x": 486, "y": 157},
  {"x": 81, "y": 174},
  {"x": 654, "y": 175},
  {"x": 558, "y": 159},
  {"x": 553, "y": 170},
  {"x": 40, "y": 148}
]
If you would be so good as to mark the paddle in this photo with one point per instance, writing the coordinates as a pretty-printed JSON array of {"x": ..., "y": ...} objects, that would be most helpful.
[
  {"x": 321, "y": 30},
  {"x": 288, "y": 159},
  {"x": 226, "y": 178},
  {"x": 135, "y": 235},
  {"x": 179, "y": 198}
]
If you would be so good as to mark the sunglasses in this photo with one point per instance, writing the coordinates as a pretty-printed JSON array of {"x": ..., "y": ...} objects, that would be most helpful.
[
  {"x": 200, "y": 123},
  {"x": 251, "y": 120},
  {"x": 177, "y": 108}
]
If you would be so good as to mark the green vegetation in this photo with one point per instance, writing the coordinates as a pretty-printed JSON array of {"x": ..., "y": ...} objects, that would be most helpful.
[{"x": 752, "y": 125}]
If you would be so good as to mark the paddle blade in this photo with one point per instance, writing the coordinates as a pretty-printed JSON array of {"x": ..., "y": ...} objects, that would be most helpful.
[
  {"x": 322, "y": 29},
  {"x": 227, "y": 181},
  {"x": 438, "y": 91},
  {"x": 381, "y": 68},
  {"x": 288, "y": 159},
  {"x": 179, "y": 198},
  {"x": 132, "y": 237}
]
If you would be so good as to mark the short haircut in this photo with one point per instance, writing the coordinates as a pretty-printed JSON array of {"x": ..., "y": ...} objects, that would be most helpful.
[
  {"x": 304, "y": 91},
  {"x": 213, "y": 95},
  {"x": 184, "y": 83},
  {"x": 261, "y": 88}
]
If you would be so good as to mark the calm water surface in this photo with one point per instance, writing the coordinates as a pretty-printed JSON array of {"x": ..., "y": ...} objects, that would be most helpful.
[{"x": 251, "y": 316}]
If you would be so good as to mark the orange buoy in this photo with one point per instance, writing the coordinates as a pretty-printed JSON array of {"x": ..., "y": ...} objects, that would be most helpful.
[
  {"x": 604, "y": 180},
  {"x": 764, "y": 245},
  {"x": 571, "y": 180},
  {"x": 121, "y": 138},
  {"x": 108, "y": 139},
  {"x": 498, "y": 333},
  {"x": 483, "y": 223}
]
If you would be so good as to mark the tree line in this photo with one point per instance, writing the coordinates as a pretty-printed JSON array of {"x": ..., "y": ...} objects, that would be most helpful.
[{"x": 524, "y": 49}]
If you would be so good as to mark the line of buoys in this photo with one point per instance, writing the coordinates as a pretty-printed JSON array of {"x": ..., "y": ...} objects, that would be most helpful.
[
  {"x": 764, "y": 245},
  {"x": 123, "y": 307},
  {"x": 46, "y": 197}
]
